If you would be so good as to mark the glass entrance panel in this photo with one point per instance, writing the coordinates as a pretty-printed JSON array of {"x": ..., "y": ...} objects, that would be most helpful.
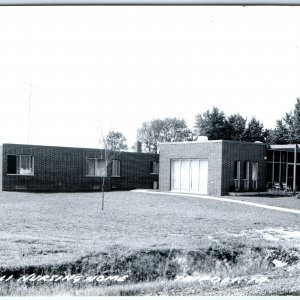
[
  {"x": 185, "y": 175},
  {"x": 195, "y": 175},
  {"x": 203, "y": 177},
  {"x": 175, "y": 175},
  {"x": 189, "y": 175}
]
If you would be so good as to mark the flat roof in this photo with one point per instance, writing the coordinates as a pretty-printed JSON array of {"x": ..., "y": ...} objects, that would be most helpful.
[
  {"x": 191, "y": 142},
  {"x": 288, "y": 147},
  {"x": 76, "y": 148},
  {"x": 212, "y": 141}
]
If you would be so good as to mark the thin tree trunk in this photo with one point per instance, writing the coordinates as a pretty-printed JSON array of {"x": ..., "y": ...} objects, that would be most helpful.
[{"x": 102, "y": 193}]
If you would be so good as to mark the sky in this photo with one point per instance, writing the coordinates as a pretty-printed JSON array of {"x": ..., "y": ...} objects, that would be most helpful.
[{"x": 115, "y": 67}]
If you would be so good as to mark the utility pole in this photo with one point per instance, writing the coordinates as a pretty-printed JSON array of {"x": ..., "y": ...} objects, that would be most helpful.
[{"x": 29, "y": 111}]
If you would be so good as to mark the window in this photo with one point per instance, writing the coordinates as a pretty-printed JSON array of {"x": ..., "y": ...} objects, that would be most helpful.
[
  {"x": 246, "y": 170},
  {"x": 254, "y": 175},
  {"x": 20, "y": 164},
  {"x": 246, "y": 174},
  {"x": 115, "y": 168},
  {"x": 154, "y": 167},
  {"x": 96, "y": 167},
  {"x": 237, "y": 174},
  {"x": 237, "y": 169}
]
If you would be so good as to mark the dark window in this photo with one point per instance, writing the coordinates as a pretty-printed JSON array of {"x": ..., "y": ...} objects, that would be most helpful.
[
  {"x": 270, "y": 155},
  {"x": 276, "y": 173},
  {"x": 20, "y": 164},
  {"x": 96, "y": 167},
  {"x": 11, "y": 164},
  {"x": 291, "y": 157},
  {"x": 237, "y": 174},
  {"x": 298, "y": 157},
  {"x": 277, "y": 156},
  {"x": 246, "y": 170},
  {"x": 154, "y": 167},
  {"x": 290, "y": 175},
  {"x": 283, "y": 172},
  {"x": 237, "y": 171},
  {"x": 116, "y": 168},
  {"x": 269, "y": 172},
  {"x": 283, "y": 157}
]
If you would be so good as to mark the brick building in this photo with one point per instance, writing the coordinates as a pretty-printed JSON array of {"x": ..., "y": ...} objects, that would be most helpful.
[
  {"x": 35, "y": 168},
  {"x": 212, "y": 167},
  {"x": 202, "y": 167}
]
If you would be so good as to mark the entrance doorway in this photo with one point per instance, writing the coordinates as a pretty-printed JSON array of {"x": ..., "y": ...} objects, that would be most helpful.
[{"x": 189, "y": 176}]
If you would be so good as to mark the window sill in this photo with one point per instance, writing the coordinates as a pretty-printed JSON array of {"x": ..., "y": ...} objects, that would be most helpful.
[
  {"x": 95, "y": 176},
  {"x": 154, "y": 173},
  {"x": 115, "y": 176},
  {"x": 20, "y": 174}
]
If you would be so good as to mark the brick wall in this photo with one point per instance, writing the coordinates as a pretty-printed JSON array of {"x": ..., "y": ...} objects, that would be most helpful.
[
  {"x": 135, "y": 171},
  {"x": 221, "y": 156},
  {"x": 211, "y": 150},
  {"x": 242, "y": 151},
  {"x": 62, "y": 169}
]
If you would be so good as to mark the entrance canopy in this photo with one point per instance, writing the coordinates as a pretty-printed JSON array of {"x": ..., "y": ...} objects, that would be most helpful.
[{"x": 283, "y": 166}]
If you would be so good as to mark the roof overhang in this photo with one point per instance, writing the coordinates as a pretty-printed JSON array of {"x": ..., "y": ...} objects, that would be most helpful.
[{"x": 288, "y": 148}]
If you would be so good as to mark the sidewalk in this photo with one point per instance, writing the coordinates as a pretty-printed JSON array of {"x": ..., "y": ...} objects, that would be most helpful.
[{"x": 279, "y": 204}]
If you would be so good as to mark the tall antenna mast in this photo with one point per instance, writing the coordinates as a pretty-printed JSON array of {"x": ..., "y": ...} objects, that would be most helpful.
[{"x": 29, "y": 112}]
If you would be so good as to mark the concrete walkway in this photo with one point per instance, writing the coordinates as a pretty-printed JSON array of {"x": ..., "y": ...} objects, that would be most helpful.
[{"x": 283, "y": 209}]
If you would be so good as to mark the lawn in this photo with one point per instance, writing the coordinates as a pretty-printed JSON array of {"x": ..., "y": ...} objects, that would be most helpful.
[
  {"x": 273, "y": 199},
  {"x": 51, "y": 232}
]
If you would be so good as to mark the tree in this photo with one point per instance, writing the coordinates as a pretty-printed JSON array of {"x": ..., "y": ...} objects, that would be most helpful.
[
  {"x": 288, "y": 122},
  {"x": 163, "y": 130},
  {"x": 236, "y": 127},
  {"x": 112, "y": 145},
  {"x": 287, "y": 129},
  {"x": 212, "y": 124},
  {"x": 116, "y": 141},
  {"x": 279, "y": 135},
  {"x": 255, "y": 131},
  {"x": 294, "y": 121}
]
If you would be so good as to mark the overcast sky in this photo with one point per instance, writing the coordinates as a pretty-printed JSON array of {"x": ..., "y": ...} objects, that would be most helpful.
[{"x": 120, "y": 66}]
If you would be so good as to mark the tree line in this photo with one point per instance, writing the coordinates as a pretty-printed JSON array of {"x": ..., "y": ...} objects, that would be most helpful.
[{"x": 216, "y": 126}]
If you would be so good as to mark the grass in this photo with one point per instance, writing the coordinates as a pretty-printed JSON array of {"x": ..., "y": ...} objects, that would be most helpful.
[{"x": 150, "y": 238}]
